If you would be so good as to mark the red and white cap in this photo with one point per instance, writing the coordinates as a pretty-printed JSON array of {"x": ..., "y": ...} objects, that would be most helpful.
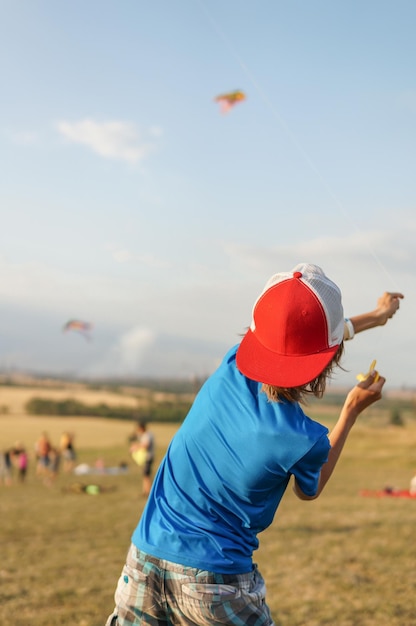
[{"x": 297, "y": 327}]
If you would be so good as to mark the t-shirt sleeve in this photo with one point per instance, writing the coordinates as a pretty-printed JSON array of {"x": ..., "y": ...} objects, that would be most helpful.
[{"x": 308, "y": 468}]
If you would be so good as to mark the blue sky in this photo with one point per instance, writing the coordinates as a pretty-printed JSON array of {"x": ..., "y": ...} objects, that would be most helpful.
[{"x": 128, "y": 200}]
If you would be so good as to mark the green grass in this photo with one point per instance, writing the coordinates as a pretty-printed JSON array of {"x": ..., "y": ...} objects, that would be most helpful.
[{"x": 342, "y": 559}]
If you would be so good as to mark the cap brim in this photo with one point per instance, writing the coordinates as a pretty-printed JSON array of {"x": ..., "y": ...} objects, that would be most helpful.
[{"x": 268, "y": 367}]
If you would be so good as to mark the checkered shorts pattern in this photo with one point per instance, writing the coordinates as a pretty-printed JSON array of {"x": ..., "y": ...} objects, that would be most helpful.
[{"x": 156, "y": 592}]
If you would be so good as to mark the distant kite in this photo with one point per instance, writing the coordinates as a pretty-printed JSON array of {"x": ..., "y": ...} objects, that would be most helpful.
[
  {"x": 228, "y": 100},
  {"x": 78, "y": 326}
]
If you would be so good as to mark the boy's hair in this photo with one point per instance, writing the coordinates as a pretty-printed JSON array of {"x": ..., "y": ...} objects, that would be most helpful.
[{"x": 315, "y": 387}]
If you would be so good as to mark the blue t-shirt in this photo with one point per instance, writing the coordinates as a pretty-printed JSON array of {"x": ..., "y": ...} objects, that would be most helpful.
[{"x": 225, "y": 472}]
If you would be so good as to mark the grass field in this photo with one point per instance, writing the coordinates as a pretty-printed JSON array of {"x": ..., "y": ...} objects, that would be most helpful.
[{"x": 342, "y": 560}]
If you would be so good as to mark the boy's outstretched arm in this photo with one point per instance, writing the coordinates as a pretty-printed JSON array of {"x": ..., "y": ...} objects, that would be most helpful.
[
  {"x": 387, "y": 305},
  {"x": 359, "y": 398}
]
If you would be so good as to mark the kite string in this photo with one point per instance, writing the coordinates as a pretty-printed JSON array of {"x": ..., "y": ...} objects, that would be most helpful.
[{"x": 290, "y": 134}]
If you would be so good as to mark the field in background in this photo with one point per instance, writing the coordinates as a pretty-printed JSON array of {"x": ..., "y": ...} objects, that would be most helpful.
[
  {"x": 343, "y": 559},
  {"x": 15, "y": 424}
]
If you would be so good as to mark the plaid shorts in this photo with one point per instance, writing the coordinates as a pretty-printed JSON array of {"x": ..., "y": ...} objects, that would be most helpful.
[{"x": 160, "y": 593}]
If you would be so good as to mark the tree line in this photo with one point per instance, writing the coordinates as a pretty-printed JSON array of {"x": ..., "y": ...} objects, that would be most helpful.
[{"x": 164, "y": 411}]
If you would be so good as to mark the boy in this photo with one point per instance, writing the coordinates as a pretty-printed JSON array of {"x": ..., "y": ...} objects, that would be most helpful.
[{"x": 228, "y": 466}]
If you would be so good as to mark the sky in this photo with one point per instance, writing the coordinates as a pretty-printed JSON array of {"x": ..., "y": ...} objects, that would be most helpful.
[{"x": 129, "y": 200}]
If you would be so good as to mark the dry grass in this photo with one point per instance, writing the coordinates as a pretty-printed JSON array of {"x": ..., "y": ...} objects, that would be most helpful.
[
  {"x": 89, "y": 432},
  {"x": 346, "y": 559},
  {"x": 16, "y": 397},
  {"x": 343, "y": 559}
]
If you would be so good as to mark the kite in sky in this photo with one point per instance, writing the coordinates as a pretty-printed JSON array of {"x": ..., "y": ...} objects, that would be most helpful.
[
  {"x": 228, "y": 100},
  {"x": 79, "y": 326}
]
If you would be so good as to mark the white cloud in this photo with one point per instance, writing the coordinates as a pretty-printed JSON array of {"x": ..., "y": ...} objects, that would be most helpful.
[
  {"x": 356, "y": 251},
  {"x": 40, "y": 287},
  {"x": 24, "y": 138},
  {"x": 111, "y": 139},
  {"x": 364, "y": 265},
  {"x": 132, "y": 346},
  {"x": 156, "y": 131},
  {"x": 123, "y": 255},
  {"x": 142, "y": 351},
  {"x": 126, "y": 356}
]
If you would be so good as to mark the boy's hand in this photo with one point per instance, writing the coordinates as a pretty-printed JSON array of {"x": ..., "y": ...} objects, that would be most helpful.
[
  {"x": 366, "y": 393},
  {"x": 387, "y": 305}
]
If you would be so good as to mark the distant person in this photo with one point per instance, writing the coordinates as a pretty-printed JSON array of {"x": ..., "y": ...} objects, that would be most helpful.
[
  {"x": 229, "y": 464},
  {"x": 43, "y": 448},
  {"x": 54, "y": 465},
  {"x": 67, "y": 449},
  {"x": 48, "y": 459},
  {"x": 6, "y": 467},
  {"x": 21, "y": 460},
  {"x": 142, "y": 449}
]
